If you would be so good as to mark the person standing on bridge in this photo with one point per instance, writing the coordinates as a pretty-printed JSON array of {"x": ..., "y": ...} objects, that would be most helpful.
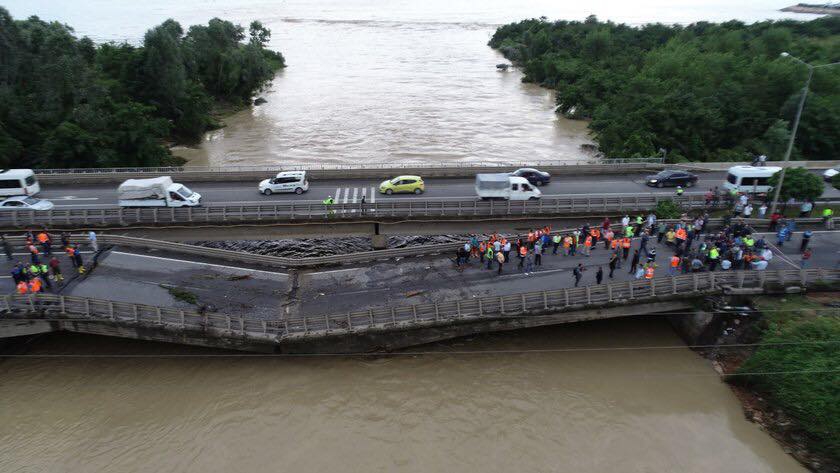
[
  {"x": 680, "y": 191},
  {"x": 44, "y": 240},
  {"x": 625, "y": 246},
  {"x": 7, "y": 248},
  {"x": 55, "y": 267},
  {"x": 328, "y": 203},
  {"x": 488, "y": 255},
  {"x": 828, "y": 218},
  {"x": 578, "y": 273},
  {"x": 506, "y": 249},
  {"x": 806, "y": 238},
  {"x": 556, "y": 242},
  {"x": 22, "y": 287},
  {"x": 634, "y": 264},
  {"x": 500, "y": 258},
  {"x": 599, "y": 275},
  {"x": 92, "y": 240},
  {"x": 538, "y": 249},
  {"x": 614, "y": 259}
]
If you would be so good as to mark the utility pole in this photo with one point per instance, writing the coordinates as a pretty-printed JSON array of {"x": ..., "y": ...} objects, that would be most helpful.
[{"x": 811, "y": 68}]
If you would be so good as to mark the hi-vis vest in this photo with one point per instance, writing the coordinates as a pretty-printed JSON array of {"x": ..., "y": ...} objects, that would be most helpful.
[{"x": 649, "y": 272}]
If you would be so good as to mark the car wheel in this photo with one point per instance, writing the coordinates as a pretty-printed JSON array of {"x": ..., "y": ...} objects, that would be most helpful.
[
  {"x": 418, "y": 191},
  {"x": 660, "y": 185},
  {"x": 298, "y": 191},
  {"x": 267, "y": 192},
  {"x": 389, "y": 191},
  {"x": 539, "y": 184}
]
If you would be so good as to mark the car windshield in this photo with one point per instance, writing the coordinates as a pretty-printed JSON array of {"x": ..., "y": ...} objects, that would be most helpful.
[
  {"x": 31, "y": 200},
  {"x": 396, "y": 180},
  {"x": 665, "y": 173},
  {"x": 185, "y": 191},
  {"x": 732, "y": 178}
]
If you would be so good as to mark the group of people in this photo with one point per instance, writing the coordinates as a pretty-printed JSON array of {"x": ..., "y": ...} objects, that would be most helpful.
[
  {"x": 44, "y": 267},
  {"x": 735, "y": 246}
]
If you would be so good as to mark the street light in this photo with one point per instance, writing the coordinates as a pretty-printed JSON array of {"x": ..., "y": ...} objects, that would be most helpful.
[{"x": 795, "y": 124}]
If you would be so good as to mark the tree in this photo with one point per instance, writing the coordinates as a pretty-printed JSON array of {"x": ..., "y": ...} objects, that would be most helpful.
[{"x": 799, "y": 184}]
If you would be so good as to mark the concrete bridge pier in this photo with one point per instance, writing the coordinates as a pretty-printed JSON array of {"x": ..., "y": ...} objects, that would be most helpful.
[{"x": 380, "y": 241}]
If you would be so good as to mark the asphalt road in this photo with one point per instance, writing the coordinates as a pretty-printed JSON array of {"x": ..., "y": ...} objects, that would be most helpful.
[
  {"x": 352, "y": 190},
  {"x": 145, "y": 277}
]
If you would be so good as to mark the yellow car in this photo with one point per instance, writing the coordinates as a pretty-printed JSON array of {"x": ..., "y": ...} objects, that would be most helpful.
[{"x": 405, "y": 184}]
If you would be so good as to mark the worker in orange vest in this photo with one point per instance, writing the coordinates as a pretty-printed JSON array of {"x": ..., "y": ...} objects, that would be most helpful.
[
  {"x": 523, "y": 252},
  {"x": 35, "y": 285},
  {"x": 649, "y": 271},
  {"x": 675, "y": 265},
  {"x": 625, "y": 246},
  {"x": 22, "y": 287}
]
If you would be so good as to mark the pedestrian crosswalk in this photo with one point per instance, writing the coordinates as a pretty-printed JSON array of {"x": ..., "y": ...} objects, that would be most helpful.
[{"x": 353, "y": 195}]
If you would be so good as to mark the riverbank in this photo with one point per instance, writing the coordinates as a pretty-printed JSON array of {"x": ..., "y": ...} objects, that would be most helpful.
[
  {"x": 816, "y": 9},
  {"x": 798, "y": 405}
]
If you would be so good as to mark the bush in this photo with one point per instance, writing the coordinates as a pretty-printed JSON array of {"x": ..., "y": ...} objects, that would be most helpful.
[
  {"x": 835, "y": 181},
  {"x": 803, "y": 388},
  {"x": 667, "y": 209}
]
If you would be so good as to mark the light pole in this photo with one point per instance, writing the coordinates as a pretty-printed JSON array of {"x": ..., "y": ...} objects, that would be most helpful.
[{"x": 795, "y": 125}]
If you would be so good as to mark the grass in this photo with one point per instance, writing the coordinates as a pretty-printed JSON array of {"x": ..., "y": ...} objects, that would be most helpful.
[
  {"x": 806, "y": 390},
  {"x": 181, "y": 294}
]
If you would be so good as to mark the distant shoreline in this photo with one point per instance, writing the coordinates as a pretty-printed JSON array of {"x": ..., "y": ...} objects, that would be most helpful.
[{"x": 818, "y": 9}]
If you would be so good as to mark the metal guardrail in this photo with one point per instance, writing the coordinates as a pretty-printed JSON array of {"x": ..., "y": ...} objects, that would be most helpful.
[
  {"x": 313, "y": 210},
  {"x": 353, "y": 166},
  {"x": 304, "y": 211},
  {"x": 406, "y": 316}
]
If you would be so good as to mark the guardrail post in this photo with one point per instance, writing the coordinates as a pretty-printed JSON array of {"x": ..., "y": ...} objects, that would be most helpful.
[
  {"x": 7, "y": 302},
  {"x": 673, "y": 285},
  {"x": 437, "y": 311},
  {"x": 609, "y": 292},
  {"x": 696, "y": 282},
  {"x": 502, "y": 304},
  {"x": 327, "y": 321},
  {"x": 458, "y": 309},
  {"x": 762, "y": 276},
  {"x": 480, "y": 308},
  {"x": 111, "y": 310},
  {"x": 631, "y": 289},
  {"x": 61, "y": 301},
  {"x": 87, "y": 307},
  {"x": 393, "y": 315},
  {"x": 265, "y": 327},
  {"x": 241, "y": 326},
  {"x": 566, "y": 294},
  {"x": 802, "y": 277},
  {"x": 545, "y": 300},
  {"x": 159, "y": 316},
  {"x": 134, "y": 311},
  {"x": 183, "y": 324},
  {"x": 588, "y": 204},
  {"x": 370, "y": 315},
  {"x": 305, "y": 325},
  {"x": 588, "y": 295},
  {"x": 711, "y": 279},
  {"x": 652, "y": 287},
  {"x": 740, "y": 279},
  {"x": 31, "y": 303}
]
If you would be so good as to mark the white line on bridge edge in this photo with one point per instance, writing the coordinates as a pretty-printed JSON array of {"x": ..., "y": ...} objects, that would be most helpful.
[{"x": 200, "y": 263}]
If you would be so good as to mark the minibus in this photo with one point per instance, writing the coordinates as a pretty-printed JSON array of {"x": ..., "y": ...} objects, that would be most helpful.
[
  {"x": 750, "y": 179},
  {"x": 18, "y": 182}
]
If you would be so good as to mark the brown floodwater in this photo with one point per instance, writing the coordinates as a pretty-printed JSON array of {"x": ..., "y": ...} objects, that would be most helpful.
[
  {"x": 377, "y": 81},
  {"x": 464, "y": 406}
]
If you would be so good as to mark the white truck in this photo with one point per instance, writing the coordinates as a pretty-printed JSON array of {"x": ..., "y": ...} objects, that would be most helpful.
[
  {"x": 504, "y": 186},
  {"x": 156, "y": 192}
]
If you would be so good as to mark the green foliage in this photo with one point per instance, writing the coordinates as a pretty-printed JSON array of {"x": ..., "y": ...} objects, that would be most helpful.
[
  {"x": 799, "y": 184},
  {"x": 835, "y": 181},
  {"x": 813, "y": 399},
  {"x": 66, "y": 102},
  {"x": 700, "y": 91},
  {"x": 181, "y": 294},
  {"x": 667, "y": 209}
]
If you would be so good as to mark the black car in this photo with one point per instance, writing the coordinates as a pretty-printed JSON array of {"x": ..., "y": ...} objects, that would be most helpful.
[
  {"x": 672, "y": 177},
  {"x": 534, "y": 176}
]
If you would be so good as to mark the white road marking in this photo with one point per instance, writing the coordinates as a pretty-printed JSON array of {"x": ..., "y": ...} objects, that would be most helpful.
[
  {"x": 372, "y": 195},
  {"x": 200, "y": 263},
  {"x": 337, "y": 196},
  {"x": 72, "y": 197},
  {"x": 334, "y": 271},
  {"x": 782, "y": 256},
  {"x": 355, "y": 194},
  {"x": 346, "y": 194}
]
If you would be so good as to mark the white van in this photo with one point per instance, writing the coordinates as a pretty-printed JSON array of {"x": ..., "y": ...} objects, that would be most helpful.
[
  {"x": 750, "y": 179},
  {"x": 289, "y": 181},
  {"x": 18, "y": 182},
  {"x": 505, "y": 186}
]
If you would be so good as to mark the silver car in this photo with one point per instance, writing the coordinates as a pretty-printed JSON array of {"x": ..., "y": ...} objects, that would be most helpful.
[{"x": 24, "y": 202}]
